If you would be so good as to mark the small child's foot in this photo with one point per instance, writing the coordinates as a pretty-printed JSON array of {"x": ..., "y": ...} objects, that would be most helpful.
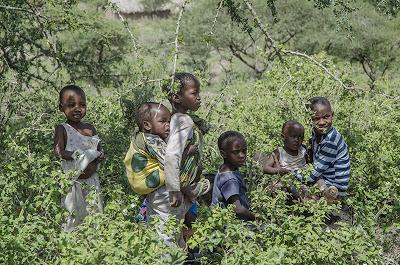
[{"x": 331, "y": 194}]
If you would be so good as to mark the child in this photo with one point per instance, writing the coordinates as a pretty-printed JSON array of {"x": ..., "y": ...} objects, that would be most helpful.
[
  {"x": 78, "y": 145},
  {"x": 289, "y": 158},
  {"x": 330, "y": 155},
  {"x": 292, "y": 156},
  {"x": 229, "y": 187},
  {"x": 144, "y": 160},
  {"x": 168, "y": 200}
]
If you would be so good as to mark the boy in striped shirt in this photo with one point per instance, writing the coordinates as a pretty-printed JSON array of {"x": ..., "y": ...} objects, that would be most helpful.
[{"x": 330, "y": 155}]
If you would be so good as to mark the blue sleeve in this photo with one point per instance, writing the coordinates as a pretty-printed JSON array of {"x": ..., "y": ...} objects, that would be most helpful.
[
  {"x": 229, "y": 188},
  {"x": 323, "y": 160}
]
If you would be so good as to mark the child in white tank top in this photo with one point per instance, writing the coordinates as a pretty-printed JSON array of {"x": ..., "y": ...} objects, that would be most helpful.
[
  {"x": 292, "y": 162},
  {"x": 289, "y": 158},
  {"x": 78, "y": 145}
]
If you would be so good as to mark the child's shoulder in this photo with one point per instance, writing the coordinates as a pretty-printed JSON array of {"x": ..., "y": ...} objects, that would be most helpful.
[
  {"x": 334, "y": 136},
  {"x": 225, "y": 176},
  {"x": 60, "y": 130},
  {"x": 60, "y": 126},
  {"x": 303, "y": 149},
  {"x": 181, "y": 118}
]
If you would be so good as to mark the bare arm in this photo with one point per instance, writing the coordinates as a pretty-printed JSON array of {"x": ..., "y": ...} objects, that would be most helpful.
[
  {"x": 270, "y": 164},
  {"x": 60, "y": 139},
  {"x": 90, "y": 169},
  {"x": 92, "y": 166},
  {"x": 240, "y": 210},
  {"x": 99, "y": 148}
]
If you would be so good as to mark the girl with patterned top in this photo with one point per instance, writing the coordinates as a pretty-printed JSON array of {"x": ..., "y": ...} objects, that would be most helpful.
[{"x": 78, "y": 145}]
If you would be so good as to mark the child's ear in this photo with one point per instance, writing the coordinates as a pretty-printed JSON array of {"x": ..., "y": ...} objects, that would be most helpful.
[
  {"x": 222, "y": 153},
  {"x": 333, "y": 114},
  {"x": 176, "y": 98},
  {"x": 60, "y": 107},
  {"x": 146, "y": 126}
]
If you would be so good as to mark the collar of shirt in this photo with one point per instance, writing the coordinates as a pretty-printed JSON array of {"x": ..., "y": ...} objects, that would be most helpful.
[{"x": 316, "y": 146}]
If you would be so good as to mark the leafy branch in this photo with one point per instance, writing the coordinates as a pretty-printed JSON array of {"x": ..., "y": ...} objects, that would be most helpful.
[{"x": 278, "y": 51}]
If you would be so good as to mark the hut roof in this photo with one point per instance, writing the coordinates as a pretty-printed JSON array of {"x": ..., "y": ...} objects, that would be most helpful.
[{"x": 136, "y": 6}]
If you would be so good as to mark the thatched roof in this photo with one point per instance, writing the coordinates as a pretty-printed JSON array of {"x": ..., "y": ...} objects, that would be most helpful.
[{"x": 136, "y": 6}]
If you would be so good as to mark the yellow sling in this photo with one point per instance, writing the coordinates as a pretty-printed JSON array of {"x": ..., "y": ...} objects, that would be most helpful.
[
  {"x": 145, "y": 173},
  {"x": 143, "y": 170}
]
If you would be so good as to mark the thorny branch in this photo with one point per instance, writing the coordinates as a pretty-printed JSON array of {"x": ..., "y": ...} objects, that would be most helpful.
[
  {"x": 308, "y": 57},
  {"x": 148, "y": 81},
  {"x": 178, "y": 26},
  {"x": 129, "y": 30},
  {"x": 176, "y": 42},
  {"x": 237, "y": 53},
  {"x": 216, "y": 17},
  {"x": 263, "y": 30},
  {"x": 21, "y": 10},
  {"x": 295, "y": 53}
]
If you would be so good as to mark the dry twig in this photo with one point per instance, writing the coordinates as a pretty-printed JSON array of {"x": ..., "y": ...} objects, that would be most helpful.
[
  {"x": 176, "y": 42},
  {"x": 279, "y": 51},
  {"x": 128, "y": 29},
  {"x": 215, "y": 18}
]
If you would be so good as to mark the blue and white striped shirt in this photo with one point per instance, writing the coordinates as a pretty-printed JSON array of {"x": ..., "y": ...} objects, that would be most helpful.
[{"x": 331, "y": 161}]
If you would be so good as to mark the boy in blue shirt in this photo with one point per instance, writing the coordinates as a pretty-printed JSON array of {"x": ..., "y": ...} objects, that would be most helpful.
[
  {"x": 229, "y": 187},
  {"x": 330, "y": 155}
]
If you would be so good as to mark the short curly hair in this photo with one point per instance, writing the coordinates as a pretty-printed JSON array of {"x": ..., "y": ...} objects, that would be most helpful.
[
  {"x": 318, "y": 101},
  {"x": 291, "y": 123},
  {"x": 227, "y": 138},
  {"x": 66, "y": 88}
]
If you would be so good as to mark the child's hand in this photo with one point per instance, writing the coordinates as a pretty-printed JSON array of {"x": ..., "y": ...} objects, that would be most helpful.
[
  {"x": 282, "y": 171},
  {"x": 193, "y": 149},
  {"x": 279, "y": 170},
  {"x": 187, "y": 192},
  {"x": 101, "y": 157},
  {"x": 175, "y": 198},
  {"x": 89, "y": 170}
]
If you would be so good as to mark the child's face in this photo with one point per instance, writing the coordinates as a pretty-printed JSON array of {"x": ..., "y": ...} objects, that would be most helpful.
[
  {"x": 189, "y": 97},
  {"x": 235, "y": 152},
  {"x": 322, "y": 118},
  {"x": 293, "y": 137},
  {"x": 73, "y": 104},
  {"x": 159, "y": 124}
]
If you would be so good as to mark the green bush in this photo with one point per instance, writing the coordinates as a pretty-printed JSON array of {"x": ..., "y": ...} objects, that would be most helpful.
[{"x": 32, "y": 183}]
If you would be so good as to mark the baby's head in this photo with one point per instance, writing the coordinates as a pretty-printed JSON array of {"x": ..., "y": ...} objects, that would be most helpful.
[
  {"x": 72, "y": 101},
  {"x": 292, "y": 135},
  {"x": 322, "y": 116},
  {"x": 233, "y": 148},
  {"x": 188, "y": 95},
  {"x": 153, "y": 118}
]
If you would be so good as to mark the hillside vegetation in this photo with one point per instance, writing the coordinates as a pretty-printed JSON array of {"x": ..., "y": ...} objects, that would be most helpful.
[{"x": 258, "y": 62}]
